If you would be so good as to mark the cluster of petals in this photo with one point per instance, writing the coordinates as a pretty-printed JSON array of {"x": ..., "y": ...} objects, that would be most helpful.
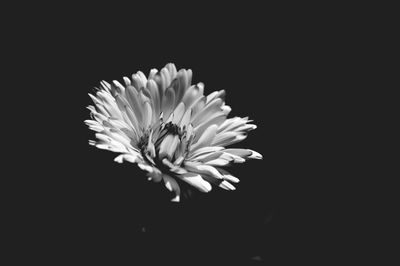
[{"x": 170, "y": 129}]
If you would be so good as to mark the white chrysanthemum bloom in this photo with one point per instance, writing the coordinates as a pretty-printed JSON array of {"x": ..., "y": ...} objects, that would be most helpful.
[{"x": 170, "y": 129}]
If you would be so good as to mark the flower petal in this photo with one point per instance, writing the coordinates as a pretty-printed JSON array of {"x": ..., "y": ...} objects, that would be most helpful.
[
  {"x": 227, "y": 138},
  {"x": 132, "y": 97},
  {"x": 227, "y": 176},
  {"x": 155, "y": 97},
  {"x": 172, "y": 185},
  {"x": 226, "y": 185},
  {"x": 204, "y": 150},
  {"x": 139, "y": 80},
  {"x": 210, "y": 109},
  {"x": 178, "y": 113},
  {"x": 127, "y": 81},
  {"x": 203, "y": 169},
  {"x": 206, "y": 138},
  {"x": 218, "y": 162},
  {"x": 197, "y": 181},
  {"x": 244, "y": 153},
  {"x": 216, "y": 94},
  {"x": 117, "y": 87},
  {"x": 127, "y": 112},
  {"x": 132, "y": 158},
  {"x": 215, "y": 119},
  {"x": 171, "y": 69},
  {"x": 155, "y": 176},
  {"x": 191, "y": 94},
  {"x": 181, "y": 83},
  {"x": 146, "y": 167},
  {"x": 147, "y": 115},
  {"x": 168, "y": 102},
  {"x": 186, "y": 118},
  {"x": 168, "y": 146}
]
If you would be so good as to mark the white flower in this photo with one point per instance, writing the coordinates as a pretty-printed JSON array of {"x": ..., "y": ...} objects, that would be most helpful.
[{"x": 170, "y": 129}]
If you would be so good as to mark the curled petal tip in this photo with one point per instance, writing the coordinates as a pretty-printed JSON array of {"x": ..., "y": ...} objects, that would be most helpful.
[{"x": 256, "y": 155}]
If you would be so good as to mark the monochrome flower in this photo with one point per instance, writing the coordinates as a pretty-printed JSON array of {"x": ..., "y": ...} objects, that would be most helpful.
[{"x": 170, "y": 129}]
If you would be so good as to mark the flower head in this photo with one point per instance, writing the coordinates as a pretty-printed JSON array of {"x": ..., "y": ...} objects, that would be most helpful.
[{"x": 170, "y": 129}]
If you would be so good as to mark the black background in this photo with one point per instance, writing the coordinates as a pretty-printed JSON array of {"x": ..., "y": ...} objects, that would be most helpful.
[{"x": 80, "y": 206}]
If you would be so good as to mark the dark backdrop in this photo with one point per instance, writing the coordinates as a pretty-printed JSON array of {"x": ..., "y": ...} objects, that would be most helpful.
[{"x": 83, "y": 207}]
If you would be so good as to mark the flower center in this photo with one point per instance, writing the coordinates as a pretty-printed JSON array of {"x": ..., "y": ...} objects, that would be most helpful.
[{"x": 165, "y": 146}]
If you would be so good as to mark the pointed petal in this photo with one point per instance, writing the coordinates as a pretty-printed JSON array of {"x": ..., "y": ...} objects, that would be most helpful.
[
  {"x": 244, "y": 153},
  {"x": 226, "y": 185},
  {"x": 255, "y": 155},
  {"x": 197, "y": 181},
  {"x": 231, "y": 123},
  {"x": 216, "y": 94},
  {"x": 203, "y": 169},
  {"x": 227, "y": 176}
]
